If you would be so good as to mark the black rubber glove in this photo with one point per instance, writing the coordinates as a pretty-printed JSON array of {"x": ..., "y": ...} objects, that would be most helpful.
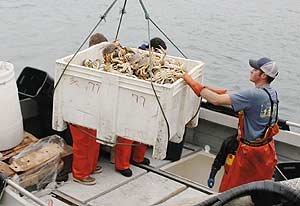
[{"x": 211, "y": 179}]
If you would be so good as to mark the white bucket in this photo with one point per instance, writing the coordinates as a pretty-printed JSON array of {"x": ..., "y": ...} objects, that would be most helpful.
[{"x": 11, "y": 123}]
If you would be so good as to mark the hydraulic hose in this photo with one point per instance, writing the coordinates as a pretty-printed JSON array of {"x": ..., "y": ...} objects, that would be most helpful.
[{"x": 282, "y": 190}]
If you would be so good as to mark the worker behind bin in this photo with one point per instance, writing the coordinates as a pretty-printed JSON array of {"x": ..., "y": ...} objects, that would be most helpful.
[
  {"x": 174, "y": 150},
  {"x": 85, "y": 148},
  {"x": 97, "y": 38},
  {"x": 128, "y": 151},
  {"x": 156, "y": 43}
]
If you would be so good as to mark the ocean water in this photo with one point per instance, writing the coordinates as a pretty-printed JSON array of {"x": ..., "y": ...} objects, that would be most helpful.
[{"x": 223, "y": 34}]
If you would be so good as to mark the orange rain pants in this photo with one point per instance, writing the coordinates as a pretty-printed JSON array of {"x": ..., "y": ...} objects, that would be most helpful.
[
  {"x": 123, "y": 153},
  {"x": 85, "y": 151},
  {"x": 251, "y": 163}
]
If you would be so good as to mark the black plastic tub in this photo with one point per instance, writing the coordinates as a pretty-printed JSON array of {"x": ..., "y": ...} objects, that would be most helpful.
[
  {"x": 33, "y": 82},
  {"x": 287, "y": 170}
]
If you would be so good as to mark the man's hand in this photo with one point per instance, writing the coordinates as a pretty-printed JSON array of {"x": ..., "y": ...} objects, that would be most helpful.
[
  {"x": 211, "y": 182},
  {"x": 179, "y": 76},
  {"x": 197, "y": 87},
  {"x": 185, "y": 77},
  {"x": 212, "y": 95},
  {"x": 211, "y": 179}
]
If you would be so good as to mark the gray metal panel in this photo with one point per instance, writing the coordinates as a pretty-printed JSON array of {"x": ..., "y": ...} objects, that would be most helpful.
[
  {"x": 159, "y": 163},
  {"x": 11, "y": 198},
  {"x": 188, "y": 197},
  {"x": 195, "y": 168},
  {"x": 146, "y": 190},
  {"x": 209, "y": 133},
  {"x": 287, "y": 152},
  {"x": 107, "y": 181}
]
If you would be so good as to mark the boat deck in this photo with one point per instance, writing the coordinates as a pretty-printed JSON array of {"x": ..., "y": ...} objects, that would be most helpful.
[
  {"x": 162, "y": 183},
  {"x": 143, "y": 188}
]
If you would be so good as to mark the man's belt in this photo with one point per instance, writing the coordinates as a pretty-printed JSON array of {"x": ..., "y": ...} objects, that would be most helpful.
[{"x": 256, "y": 143}]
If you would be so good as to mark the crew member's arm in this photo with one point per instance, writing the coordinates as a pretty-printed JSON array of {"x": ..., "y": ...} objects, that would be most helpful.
[
  {"x": 211, "y": 96},
  {"x": 216, "y": 90}
]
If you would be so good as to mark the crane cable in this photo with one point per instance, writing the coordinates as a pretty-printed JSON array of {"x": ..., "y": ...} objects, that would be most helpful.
[
  {"x": 104, "y": 141},
  {"x": 147, "y": 17},
  {"x": 122, "y": 13},
  {"x": 86, "y": 39}
]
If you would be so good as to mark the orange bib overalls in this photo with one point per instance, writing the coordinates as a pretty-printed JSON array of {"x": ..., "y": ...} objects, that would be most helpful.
[{"x": 255, "y": 160}]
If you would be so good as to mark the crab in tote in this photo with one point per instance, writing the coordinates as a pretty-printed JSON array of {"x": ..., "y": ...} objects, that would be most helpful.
[
  {"x": 96, "y": 64},
  {"x": 142, "y": 72},
  {"x": 92, "y": 64},
  {"x": 125, "y": 68},
  {"x": 87, "y": 63},
  {"x": 140, "y": 64},
  {"x": 164, "y": 76},
  {"x": 163, "y": 54}
]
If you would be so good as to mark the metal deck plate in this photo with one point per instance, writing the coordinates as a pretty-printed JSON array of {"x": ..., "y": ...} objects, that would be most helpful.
[
  {"x": 160, "y": 163},
  {"x": 148, "y": 189},
  {"x": 195, "y": 168},
  {"x": 56, "y": 202},
  {"x": 107, "y": 181},
  {"x": 188, "y": 197}
]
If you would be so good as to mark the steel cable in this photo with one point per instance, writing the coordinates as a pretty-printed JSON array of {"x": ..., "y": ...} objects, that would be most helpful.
[
  {"x": 86, "y": 39},
  {"x": 107, "y": 142},
  {"x": 122, "y": 13},
  {"x": 147, "y": 17}
]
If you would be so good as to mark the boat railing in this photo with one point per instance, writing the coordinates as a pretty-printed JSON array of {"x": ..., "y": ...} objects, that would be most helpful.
[
  {"x": 228, "y": 110},
  {"x": 293, "y": 124}
]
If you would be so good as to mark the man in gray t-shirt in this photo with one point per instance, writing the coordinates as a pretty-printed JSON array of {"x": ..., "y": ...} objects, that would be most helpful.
[{"x": 255, "y": 104}]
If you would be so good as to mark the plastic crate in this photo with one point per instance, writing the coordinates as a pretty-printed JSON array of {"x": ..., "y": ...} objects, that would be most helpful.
[
  {"x": 32, "y": 82},
  {"x": 290, "y": 170},
  {"x": 117, "y": 105}
]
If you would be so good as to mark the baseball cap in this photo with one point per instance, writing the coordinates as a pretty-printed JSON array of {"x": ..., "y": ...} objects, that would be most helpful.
[
  {"x": 144, "y": 46},
  {"x": 268, "y": 66}
]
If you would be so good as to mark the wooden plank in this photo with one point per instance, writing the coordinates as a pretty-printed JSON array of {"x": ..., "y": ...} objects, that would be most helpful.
[
  {"x": 34, "y": 177},
  {"x": 28, "y": 138},
  {"x": 68, "y": 150},
  {"x": 4, "y": 168},
  {"x": 36, "y": 158}
]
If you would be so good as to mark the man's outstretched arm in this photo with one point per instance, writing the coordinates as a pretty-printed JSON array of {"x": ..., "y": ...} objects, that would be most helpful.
[{"x": 212, "y": 95}]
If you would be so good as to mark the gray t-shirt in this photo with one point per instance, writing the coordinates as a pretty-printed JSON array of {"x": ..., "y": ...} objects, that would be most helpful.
[{"x": 256, "y": 105}]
